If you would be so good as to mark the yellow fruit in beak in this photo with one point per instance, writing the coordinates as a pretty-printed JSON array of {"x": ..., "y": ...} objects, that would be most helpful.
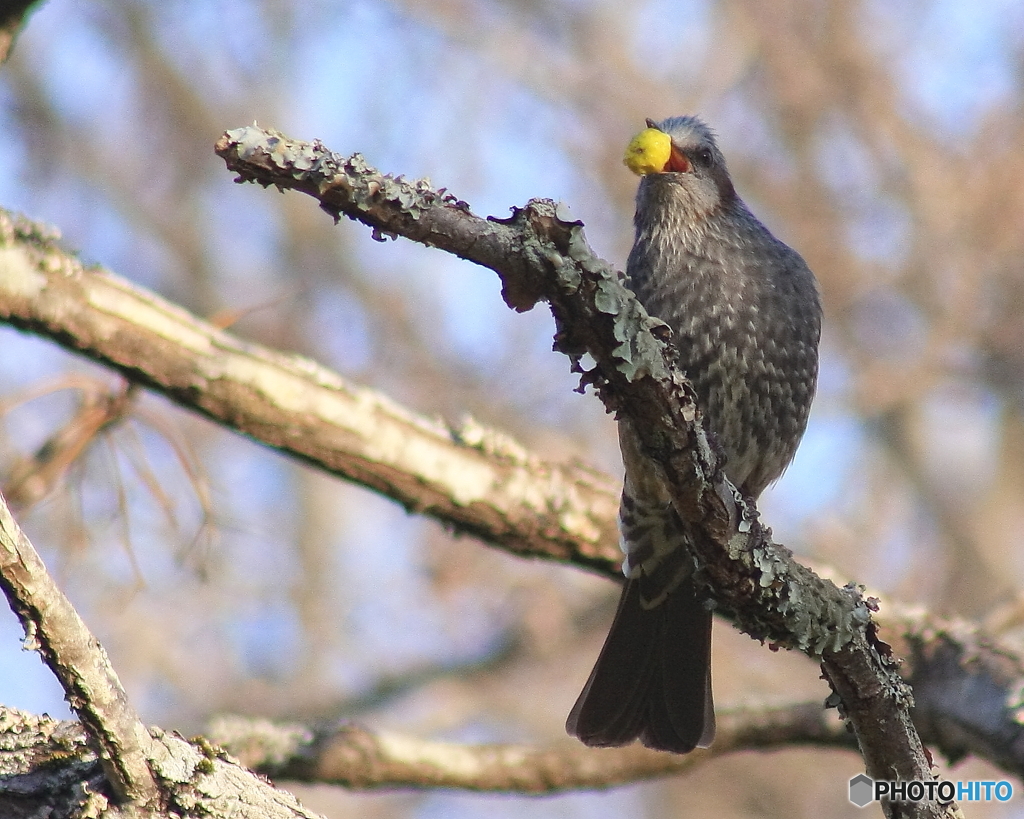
[{"x": 648, "y": 152}]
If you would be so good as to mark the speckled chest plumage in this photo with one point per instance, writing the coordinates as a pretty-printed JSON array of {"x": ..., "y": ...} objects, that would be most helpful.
[{"x": 746, "y": 316}]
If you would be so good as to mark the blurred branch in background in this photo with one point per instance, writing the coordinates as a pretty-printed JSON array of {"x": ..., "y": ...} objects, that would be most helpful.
[
  {"x": 31, "y": 479},
  {"x": 12, "y": 18},
  {"x": 353, "y": 756}
]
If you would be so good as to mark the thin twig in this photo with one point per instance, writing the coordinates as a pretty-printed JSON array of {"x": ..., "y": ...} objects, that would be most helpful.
[{"x": 32, "y": 479}]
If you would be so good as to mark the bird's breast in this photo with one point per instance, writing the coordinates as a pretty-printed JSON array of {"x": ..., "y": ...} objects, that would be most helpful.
[{"x": 745, "y": 323}]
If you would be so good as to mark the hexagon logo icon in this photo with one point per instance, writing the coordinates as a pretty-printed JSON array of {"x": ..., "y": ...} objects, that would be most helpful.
[{"x": 862, "y": 790}]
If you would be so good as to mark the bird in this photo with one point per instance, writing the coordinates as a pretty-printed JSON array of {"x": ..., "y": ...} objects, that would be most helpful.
[{"x": 745, "y": 315}]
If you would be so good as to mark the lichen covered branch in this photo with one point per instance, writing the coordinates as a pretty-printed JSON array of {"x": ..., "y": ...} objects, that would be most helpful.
[
  {"x": 541, "y": 255},
  {"x": 50, "y": 768}
]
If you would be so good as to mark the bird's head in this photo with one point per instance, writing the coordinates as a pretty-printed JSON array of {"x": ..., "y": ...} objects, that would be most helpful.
[{"x": 680, "y": 153}]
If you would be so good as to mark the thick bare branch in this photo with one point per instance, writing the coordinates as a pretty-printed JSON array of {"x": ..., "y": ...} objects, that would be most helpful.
[
  {"x": 356, "y": 757},
  {"x": 91, "y": 687},
  {"x": 85, "y": 325},
  {"x": 471, "y": 478}
]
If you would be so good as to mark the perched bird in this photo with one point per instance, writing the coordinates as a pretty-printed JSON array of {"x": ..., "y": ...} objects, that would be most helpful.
[{"x": 746, "y": 318}]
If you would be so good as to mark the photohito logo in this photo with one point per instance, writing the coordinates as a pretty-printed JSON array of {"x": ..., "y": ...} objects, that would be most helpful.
[{"x": 864, "y": 790}]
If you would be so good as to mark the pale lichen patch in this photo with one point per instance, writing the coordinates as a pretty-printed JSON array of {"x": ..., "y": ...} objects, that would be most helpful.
[{"x": 18, "y": 276}]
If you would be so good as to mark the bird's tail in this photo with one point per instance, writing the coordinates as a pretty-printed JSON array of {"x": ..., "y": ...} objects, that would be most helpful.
[{"x": 652, "y": 680}]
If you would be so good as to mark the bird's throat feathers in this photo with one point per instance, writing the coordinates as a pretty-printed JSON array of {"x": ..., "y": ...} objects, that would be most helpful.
[
  {"x": 683, "y": 195},
  {"x": 685, "y": 216}
]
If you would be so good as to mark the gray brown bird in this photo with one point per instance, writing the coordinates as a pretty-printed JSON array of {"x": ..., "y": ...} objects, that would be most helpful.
[{"x": 746, "y": 319}]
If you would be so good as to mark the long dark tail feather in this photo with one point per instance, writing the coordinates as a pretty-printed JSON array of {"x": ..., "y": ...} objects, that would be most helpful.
[{"x": 652, "y": 680}]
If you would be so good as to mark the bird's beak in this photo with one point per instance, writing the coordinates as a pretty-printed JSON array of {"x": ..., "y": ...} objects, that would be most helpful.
[{"x": 677, "y": 162}]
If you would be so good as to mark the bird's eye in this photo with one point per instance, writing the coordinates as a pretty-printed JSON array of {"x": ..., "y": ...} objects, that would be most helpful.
[{"x": 703, "y": 157}]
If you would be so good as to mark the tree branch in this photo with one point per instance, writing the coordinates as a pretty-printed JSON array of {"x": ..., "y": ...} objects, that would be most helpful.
[
  {"x": 967, "y": 687},
  {"x": 32, "y": 478},
  {"x": 355, "y": 757},
  {"x": 91, "y": 687},
  {"x": 48, "y": 768},
  {"x": 474, "y": 479}
]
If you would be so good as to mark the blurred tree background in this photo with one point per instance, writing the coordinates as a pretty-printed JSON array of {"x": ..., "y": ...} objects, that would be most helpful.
[{"x": 881, "y": 140}]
